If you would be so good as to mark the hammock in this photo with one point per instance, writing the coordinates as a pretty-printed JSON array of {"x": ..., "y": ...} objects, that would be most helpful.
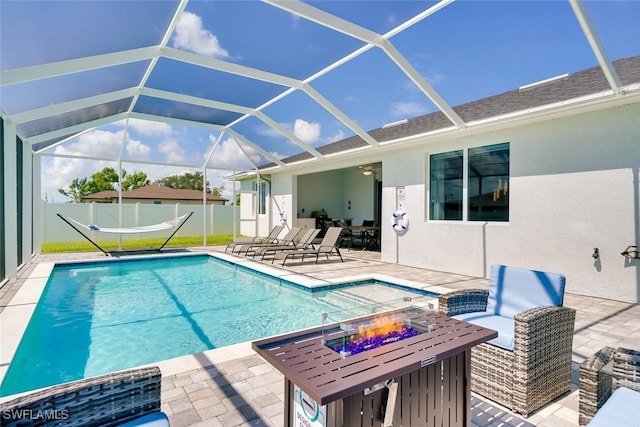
[{"x": 166, "y": 225}]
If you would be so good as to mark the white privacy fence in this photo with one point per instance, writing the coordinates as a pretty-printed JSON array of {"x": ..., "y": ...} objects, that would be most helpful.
[{"x": 219, "y": 220}]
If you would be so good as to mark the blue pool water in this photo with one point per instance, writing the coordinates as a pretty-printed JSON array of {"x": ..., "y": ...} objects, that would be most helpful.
[{"x": 95, "y": 318}]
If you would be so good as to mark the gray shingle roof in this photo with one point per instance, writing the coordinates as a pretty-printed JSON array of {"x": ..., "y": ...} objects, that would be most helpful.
[{"x": 578, "y": 84}]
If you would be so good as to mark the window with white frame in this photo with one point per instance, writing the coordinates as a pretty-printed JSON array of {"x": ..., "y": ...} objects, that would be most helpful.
[
  {"x": 263, "y": 191},
  {"x": 487, "y": 183}
]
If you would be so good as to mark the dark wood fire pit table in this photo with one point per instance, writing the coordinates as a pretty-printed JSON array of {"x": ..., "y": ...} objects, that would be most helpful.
[{"x": 423, "y": 380}]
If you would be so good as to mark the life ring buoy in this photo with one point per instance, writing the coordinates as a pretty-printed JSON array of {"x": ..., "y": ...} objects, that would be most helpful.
[
  {"x": 400, "y": 221},
  {"x": 283, "y": 217}
]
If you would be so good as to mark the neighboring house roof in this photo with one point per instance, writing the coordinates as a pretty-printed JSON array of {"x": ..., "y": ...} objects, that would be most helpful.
[
  {"x": 582, "y": 83},
  {"x": 154, "y": 191}
]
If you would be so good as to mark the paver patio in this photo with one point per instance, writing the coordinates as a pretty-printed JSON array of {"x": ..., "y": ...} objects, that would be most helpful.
[{"x": 233, "y": 386}]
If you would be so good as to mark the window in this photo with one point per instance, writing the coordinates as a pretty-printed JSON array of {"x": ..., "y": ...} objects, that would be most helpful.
[
  {"x": 263, "y": 191},
  {"x": 487, "y": 184},
  {"x": 446, "y": 186}
]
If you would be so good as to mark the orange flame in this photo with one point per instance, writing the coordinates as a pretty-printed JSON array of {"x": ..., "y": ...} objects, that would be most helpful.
[{"x": 380, "y": 326}]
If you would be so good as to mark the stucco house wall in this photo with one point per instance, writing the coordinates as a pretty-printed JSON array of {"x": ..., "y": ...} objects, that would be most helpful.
[{"x": 573, "y": 187}]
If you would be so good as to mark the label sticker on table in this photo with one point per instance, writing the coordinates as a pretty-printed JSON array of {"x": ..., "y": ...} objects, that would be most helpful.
[
  {"x": 427, "y": 361},
  {"x": 306, "y": 412}
]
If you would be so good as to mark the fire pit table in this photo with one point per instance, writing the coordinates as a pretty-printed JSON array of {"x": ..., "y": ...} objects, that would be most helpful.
[{"x": 411, "y": 368}]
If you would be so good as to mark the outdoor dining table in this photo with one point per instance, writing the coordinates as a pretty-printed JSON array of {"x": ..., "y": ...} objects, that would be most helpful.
[
  {"x": 432, "y": 371},
  {"x": 368, "y": 233}
]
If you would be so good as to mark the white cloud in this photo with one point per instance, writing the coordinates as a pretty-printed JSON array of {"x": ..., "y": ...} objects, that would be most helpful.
[
  {"x": 172, "y": 150},
  {"x": 149, "y": 128},
  {"x": 407, "y": 109},
  {"x": 229, "y": 156},
  {"x": 191, "y": 35},
  {"x": 137, "y": 150},
  {"x": 306, "y": 131},
  {"x": 58, "y": 172},
  {"x": 339, "y": 136}
]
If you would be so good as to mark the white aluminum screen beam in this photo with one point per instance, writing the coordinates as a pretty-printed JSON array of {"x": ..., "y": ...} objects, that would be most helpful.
[
  {"x": 340, "y": 115},
  {"x": 596, "y": 44},
  {"x": 253, "y": 73},
  {"x": 194, "y": 100},
  {"x": 338, "y": 24},
  {"x": 230, "y": 107},
  {"x": 78, "y": 104},
  {"x": 422, "y": 84},
  {"x": 228, "y": 67},
  {"x": 256, "y": 147},
  {"x": 282, "y": 130},
  {"x": 133, "y": 161},
  {"x": 72, "y": 130},
  {"x": 184, "y": 122},
  {"x": 72, "y": 66}
]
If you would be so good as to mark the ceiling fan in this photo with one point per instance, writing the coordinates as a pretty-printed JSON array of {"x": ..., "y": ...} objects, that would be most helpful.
[{"x": 367, "y": 170}]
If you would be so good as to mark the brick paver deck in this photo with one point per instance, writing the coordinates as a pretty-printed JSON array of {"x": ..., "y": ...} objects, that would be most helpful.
[{"x": 235, "y": 387}]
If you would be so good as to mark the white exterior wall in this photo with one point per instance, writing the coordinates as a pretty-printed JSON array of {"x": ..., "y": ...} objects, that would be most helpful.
[{"x": 574, "y": 186}]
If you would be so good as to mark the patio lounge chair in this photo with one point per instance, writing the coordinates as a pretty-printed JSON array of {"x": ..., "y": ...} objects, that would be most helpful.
[
  {"x": 529, "y": 363},
  {"x": 328, "y": 246},
  {"x": 610, "y": 388},
  {"x": 271, "y": 237},
  {"x": 287, "y": 240},
  {"x": 304, "y": 240},
  {"x": 128, "y": 398}
]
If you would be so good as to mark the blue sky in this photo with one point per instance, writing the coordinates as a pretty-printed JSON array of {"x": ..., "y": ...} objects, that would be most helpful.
[{"x": 466, "y": 51}]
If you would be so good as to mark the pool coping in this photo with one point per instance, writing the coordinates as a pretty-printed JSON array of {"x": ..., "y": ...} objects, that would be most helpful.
[{"x": 15, "y": 317}]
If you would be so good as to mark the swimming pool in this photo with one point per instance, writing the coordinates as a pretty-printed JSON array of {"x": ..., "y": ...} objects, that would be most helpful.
[{"x": 98, "y": 317}]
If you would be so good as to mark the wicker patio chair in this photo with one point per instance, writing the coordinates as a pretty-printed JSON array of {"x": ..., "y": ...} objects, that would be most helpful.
[
  {"x": 610, "y": 388},
  {"x": 529, "y": 364},
  {"x": 130, "y": 397}
]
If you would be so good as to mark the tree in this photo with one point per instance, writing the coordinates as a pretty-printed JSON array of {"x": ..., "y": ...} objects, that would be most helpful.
[
  {"x": 104, "y": 180},
  {"x": 135, "y": 180},
  {"x": 186, "y": 181},
  {"x": 217, "y": 191},
  {"x": 77, "y": 189}
]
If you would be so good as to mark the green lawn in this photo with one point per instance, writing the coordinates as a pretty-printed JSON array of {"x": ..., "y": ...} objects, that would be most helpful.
[{"x": 175, "y": 242}]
